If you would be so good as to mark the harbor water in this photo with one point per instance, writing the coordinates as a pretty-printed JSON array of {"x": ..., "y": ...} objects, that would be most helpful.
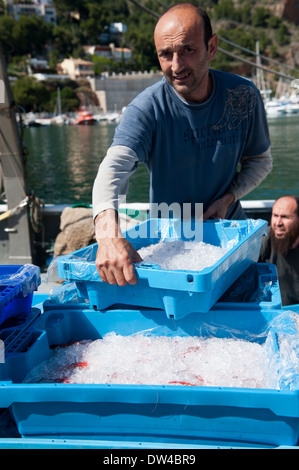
[{"x": 62, "y": 162}]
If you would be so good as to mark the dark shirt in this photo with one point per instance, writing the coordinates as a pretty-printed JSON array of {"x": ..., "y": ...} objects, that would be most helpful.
[{"x": 287, "y": 270}]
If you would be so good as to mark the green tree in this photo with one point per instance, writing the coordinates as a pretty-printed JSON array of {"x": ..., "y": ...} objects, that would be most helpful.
[
  {"x": 30, "y": 94},
  {"x": 6, "y": 26},
  {"x": 102, "y": 64},
  {"x": 67, "y": 7},
  {"x": 226, "y": 9},
  {"x": 244, "y": 13},
  {"x": 274, "y": 22},
  {"x": 53, "y": 59},
  {"x": 62, "y": 40},
  {"x": 68, "y": 98},
  {"x": 140, "y": 38},
  {"x": 31, "y": 35},
  {"x": 260, "y": 17},
  {"x": 282, "y": 35},
  {"x": 28, "y": 35}
]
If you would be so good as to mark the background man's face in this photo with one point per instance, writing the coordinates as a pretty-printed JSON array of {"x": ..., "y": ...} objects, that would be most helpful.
[{"x": 284, "y": 224}]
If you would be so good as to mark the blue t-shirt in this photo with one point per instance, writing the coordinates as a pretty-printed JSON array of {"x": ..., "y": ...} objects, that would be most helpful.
[{"x": 192, "y": 151}]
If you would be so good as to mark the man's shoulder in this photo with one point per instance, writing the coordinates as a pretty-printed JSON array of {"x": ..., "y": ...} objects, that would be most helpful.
[
  {"x": 153, "y": 92},
  {"x": 229, "y": 79}
]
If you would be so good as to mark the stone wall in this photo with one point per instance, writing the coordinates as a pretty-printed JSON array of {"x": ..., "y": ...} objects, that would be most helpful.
[{"x": 116, "y": 91}]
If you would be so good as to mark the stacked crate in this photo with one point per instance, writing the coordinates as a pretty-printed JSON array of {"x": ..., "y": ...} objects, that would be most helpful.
[{"x": 162, "y": 302}]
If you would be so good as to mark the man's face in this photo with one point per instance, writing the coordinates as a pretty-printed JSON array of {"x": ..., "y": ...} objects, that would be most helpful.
[
  {"x": 183, "y": 55},
  {"x": 284, "y": 224}
]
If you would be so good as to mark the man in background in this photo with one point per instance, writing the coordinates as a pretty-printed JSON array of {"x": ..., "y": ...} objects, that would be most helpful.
[{"x": 281, "y": 247}]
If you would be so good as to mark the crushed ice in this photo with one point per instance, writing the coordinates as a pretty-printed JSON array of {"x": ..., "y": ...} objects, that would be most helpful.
[
  {"x": 158, "y": 360},
  {"x": 178, "y": 254}
]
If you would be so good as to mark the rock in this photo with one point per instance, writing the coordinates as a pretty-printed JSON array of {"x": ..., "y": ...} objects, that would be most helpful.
[
  {"x": 77, "y": 229},
  {"x": 291, "y": 11}
]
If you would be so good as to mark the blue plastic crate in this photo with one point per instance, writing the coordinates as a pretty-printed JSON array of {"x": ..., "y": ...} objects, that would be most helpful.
[
  {"x": 17, "y": 284},
  {"x": 168, "y": 414},
  {"x": 178, "y": 292},
  {"x": 257, "y": 287}
]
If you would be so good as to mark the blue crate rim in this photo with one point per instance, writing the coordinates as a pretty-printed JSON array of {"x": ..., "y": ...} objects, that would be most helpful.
[
  {"x": 66, "y": 260},
  {"x": 11, "y": 291}
]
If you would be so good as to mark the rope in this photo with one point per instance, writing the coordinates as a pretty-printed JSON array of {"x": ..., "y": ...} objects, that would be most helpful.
[
  {"x": 266, "y": 69},
  {"x": 34, "y": 211},
  {"x": 14, "y": 210}
]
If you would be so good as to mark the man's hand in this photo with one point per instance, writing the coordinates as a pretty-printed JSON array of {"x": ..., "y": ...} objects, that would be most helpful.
[
  {"x": 115, "y": 255},
  {"x": 218, "y": 208},
  {"x": 114, "y": 261}
]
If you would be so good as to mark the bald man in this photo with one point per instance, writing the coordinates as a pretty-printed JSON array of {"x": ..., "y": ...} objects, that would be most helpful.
[
  {"x": 201, "y": 133},
  {"x": 281, "y": 247}
]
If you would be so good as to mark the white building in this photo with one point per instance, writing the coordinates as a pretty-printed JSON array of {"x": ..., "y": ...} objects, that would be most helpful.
[
  {"x": 41, "y": 9},
  {"x": 101, "y": 51},
  {"x": 121, "y": 53},
  {"x": 110, "y": 52},
  {"x": 38, "y": 64},
  {"x": 76, "y": 68}
]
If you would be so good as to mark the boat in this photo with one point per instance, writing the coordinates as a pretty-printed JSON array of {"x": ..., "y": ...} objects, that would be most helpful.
[
  {"x": 275, "y": 108},
  {"x": 58, "y": 118},
  {"x": 35, "y": 120},
  {"x": 285, "y": 104},
  {"x": 292, "y": 108},
  {"x": 32, "y": 120},
  {"x": 292, "y": 105},
  {"x": 84, "y": 118}
]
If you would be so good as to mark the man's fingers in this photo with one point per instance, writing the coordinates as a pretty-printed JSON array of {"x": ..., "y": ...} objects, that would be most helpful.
[
  {"x": 118, "y": 275},
  {"x": 114, "y": 262},
  {"x": 130, "y": 275}
]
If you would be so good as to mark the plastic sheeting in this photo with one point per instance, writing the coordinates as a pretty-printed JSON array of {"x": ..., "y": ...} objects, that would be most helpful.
[{"x": 26, "y": 277}]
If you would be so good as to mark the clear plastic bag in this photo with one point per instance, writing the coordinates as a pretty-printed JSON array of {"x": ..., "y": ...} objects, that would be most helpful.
[
  {"x": 217, "y": 357},
  {"x": 27, "y": 277}
]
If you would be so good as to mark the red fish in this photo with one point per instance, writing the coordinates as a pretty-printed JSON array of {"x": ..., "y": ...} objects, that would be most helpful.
[{"x": 182, "y": 382}]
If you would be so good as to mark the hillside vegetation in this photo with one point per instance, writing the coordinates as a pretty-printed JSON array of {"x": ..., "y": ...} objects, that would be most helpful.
[{"x": 86, "y": 22}]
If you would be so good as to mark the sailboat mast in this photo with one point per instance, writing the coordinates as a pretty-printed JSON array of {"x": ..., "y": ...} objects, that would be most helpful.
[{"x": 58, "y": 102}]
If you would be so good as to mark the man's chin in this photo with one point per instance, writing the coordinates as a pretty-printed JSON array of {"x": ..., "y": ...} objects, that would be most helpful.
[
  {"x": 280, "y": 236},
  {"x": 283, "y": 242},
  {"x": 181, "y": 88}
]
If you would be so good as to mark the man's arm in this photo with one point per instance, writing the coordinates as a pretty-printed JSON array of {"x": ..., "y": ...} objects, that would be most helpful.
[
  {"x": 115, "y": 255},
  {"x": 253, "y": 171},
  {"x": 111, "y": 182}
]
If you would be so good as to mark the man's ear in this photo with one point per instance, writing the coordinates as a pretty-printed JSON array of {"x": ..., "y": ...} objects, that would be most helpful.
[{"x": 212, "y": 46}]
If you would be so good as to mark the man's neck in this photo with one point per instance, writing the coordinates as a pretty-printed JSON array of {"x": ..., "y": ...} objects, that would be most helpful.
[{"x": 208, "y": 95}]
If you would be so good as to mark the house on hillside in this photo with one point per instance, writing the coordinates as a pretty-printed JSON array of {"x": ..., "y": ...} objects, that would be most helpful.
[
  {"x": 117, "y": 54},
  {"x": 100, "y": 51},
  {"x": 76, "y": 68},
  {"x": 43, "y": 10}
]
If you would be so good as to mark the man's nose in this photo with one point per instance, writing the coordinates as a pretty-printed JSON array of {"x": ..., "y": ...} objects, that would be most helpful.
[
  {"x": 176, "y": 64},
  {"x": 279, "y": 221}
]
